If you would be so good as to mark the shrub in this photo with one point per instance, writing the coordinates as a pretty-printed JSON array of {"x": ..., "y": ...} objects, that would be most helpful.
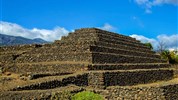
[
  {"x": 170, "y": 56},
  {"x": 86, "y": 95},
  {"x": 149, "y": 45}
]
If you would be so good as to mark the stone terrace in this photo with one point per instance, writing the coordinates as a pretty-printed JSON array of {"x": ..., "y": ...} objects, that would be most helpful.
[{"x": 101, "y": 58}]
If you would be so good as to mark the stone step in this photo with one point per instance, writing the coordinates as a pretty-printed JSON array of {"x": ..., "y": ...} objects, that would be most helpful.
[
  {"x": 80, "y": 36},
  {"x": 103, "y": 58},
  {"x": 164, "y": 90},
  {"x": 118, "y": 37},
  {"x": 48, "y": 94},
  {"x": 46, "y": 67},
  {"x": 140, "y": 45},
  {"x": 95, "y": 30},
  {"x": 87, "y": 48},
  {"x": 58, "y": 43},
  {"x": 86, "y": 56},
  {"x": 128, "y": 66},
  {"x": 112, "y": 40},
  {"x": 110, "y": 78},
  {"x": 133, "y": 77},
  {"x": 106, "y": 44},
  {"x": 61, "y": 49},
  {"x": 122, "y": 51},
  {"x": 86, "y": 35},
  {"x": 72, "y": 56},
  {"x": 101, "y": 43},
  {"x": 79, "y": 79},
  {"x": 33, "y": 75},
  {"x": 96, "y": 80}
]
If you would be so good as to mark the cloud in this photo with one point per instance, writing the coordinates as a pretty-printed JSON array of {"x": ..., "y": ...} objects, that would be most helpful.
[
  {"x": 171, "y": 42},
  {"x": 108, "y": 27},
  {"x": 17, "y": 30},
  {"x": 160, "y": 2},
  {"x": 144, "y": 39},
  {"x": 148, "y": 4}
]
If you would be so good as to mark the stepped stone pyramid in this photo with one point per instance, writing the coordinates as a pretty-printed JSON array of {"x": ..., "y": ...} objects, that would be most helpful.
[{"x": 104, "y": 58}]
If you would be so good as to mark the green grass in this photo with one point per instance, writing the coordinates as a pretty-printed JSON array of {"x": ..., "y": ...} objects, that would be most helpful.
[{"x": 86, "y": 95}]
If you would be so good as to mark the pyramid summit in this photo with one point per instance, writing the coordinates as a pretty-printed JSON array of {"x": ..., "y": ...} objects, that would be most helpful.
[{"x": 87, "y": 57}]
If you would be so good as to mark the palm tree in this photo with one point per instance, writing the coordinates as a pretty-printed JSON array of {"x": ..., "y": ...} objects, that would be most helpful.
[{"x": 169, "y": 56}]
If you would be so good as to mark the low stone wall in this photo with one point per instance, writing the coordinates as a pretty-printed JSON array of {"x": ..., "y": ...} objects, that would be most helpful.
[
  {"x": 96, "y": 80},
  {"x": 43, "y": 68},
  {"x": 112, "y": 45},
  {"x": 98, "y": 57},
  {"x": 102, "y": 79},
  {"x": 60, "y": 49},
  {"x": 169, "y": 92},
  {"x": 79, "y": 80},
  {"x": 122, "y": 51},
  {"x": 73, "y": 56},
  {"x": 127, "y": 66},
  {"x": 136, "y": 77},
  {"x": 139, "y": 45},
  {"x": 175, "y": 69},
  {"x": 95, "y": 30},
  {"x": 62, "y": 93}
]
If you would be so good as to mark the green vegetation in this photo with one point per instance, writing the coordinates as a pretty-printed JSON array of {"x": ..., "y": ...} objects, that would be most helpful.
[
  {"x": 149, "y": 45},
  {"x": 170, "y": 56},
  {"x": 86, "y": 95}
]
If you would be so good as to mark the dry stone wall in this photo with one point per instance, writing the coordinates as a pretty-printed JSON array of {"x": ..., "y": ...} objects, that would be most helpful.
[
  {"x": 101, "y": 79},
  {"x": 169, "y": 92},
  {"x": 109, "y": 59}
]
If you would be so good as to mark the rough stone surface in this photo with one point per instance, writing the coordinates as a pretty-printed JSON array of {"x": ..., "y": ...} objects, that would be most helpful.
[
  {"x": 103, "y": 59},
  {"x": 169, "y": 92}
]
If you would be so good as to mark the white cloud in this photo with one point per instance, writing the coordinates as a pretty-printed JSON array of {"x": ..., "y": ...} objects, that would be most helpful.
[
  {"x": 17, "y": 30},
  {"x": 171, "y": 42},
  {"x": 144, "y": 39},
  {"x": 148, "y": 4},
  {"x": 140, "y": 2},
  {"x": 107, "y": 27},
  {"x": 159, "y": 2}
]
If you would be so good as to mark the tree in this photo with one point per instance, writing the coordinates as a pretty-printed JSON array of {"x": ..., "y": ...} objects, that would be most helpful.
[
  {"x": 161, "y": 47},
  {"x": 149, "y": 45},
  {"x": 170, "y": 56}
]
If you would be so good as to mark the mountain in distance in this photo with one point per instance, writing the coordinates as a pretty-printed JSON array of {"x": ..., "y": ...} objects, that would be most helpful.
[{"x": 7, "y": 40}]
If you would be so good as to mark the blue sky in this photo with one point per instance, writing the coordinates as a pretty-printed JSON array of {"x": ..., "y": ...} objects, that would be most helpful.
[{"x": 147, "y": 20}]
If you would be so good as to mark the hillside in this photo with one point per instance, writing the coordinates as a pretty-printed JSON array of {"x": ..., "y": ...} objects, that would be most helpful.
[{"x": 7, "y": 40}]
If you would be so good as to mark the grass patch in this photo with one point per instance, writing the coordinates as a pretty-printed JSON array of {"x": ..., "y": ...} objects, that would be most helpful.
[{"x": 86, "y": 95}]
